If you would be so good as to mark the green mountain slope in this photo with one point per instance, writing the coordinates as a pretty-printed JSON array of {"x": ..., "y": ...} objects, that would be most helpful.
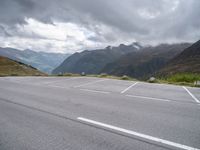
[
  {"x": 92, "y": 62},
  {"x": 186, "y": 62},
  {"x": 45, "y": 62},
  {"x": 145, "y": 62},
  {"x": 10, "y": 67}
]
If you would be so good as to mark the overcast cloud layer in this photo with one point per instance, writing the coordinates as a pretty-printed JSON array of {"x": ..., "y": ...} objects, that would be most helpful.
[{"x": 74, "y": 25}]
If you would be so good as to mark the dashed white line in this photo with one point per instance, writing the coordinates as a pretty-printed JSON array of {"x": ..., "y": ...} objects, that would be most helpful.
[
  {"x": 129, "y": 87},
  {"x": 137, "y": 134},
  {"x": 65, "y": 79},
  {"x": 96, "y": 91},
  {"x": 191, "y": 95},
  {"x": 55, "y": 86},
  {"x": 89, "y": 83},
  {"x": 151, "y": 98}
]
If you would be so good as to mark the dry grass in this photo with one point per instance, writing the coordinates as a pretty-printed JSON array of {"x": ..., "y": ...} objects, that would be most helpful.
[{"x": 13, "y": 68}]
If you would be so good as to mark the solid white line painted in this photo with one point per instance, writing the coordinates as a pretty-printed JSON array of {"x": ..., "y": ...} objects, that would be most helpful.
[
  {"x": 129, "y": 87},
  {"x": 191, "y": 95},
  {"x": 96, "y": 91},
  {"x": 137, "y": 134},
  {"x": 89, "y": 83},
  {"x": 151, "y": 98}
]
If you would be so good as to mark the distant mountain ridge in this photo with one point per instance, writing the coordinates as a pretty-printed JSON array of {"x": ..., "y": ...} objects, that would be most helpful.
[
  {"x": 10, "y": 67},
  {"x": 45, "y": 62},
  {"x": 133, "y": 60},
  {"x": 92, "y": 62},
  {"x": 144, "y": 63},
  {"x": 186, "y": 62}
]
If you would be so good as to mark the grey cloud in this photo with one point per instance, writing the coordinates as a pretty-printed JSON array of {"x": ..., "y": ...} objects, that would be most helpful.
[
  {"x": 13, "y": 31},
  {"x": 4, "y": 32},
  {"x": 142, "y": 20}
]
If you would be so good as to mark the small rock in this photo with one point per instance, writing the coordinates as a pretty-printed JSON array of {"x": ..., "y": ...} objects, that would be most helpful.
[
  {"x": 152, "y": 79},
  {"x": 83, "y": 73},
  {"x": 197, "y": 83}
]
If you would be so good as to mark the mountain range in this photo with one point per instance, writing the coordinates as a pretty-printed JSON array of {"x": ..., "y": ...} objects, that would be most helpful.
[
  {"x": 133, "y": 60},
  {"x": 45, "y": 62},
  {"x": 186, "y": 62},
  {"x": 93, "y": 61},
  {"x": 142, "y": 64}
]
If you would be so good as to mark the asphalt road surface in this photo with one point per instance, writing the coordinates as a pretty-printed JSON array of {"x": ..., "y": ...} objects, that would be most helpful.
[{"x": 84, "y": 113}]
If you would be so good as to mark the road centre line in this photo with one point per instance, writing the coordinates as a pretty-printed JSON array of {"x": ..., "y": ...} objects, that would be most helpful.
[
  {"x": 96, "y": 91},
  {"x": 137, "y": 134},
  {"x": 191, "y": 94},
  {"x": 89, "y": 83},
  {"x": 151, "y": 98},
  {"x": 129, "y": 87}
]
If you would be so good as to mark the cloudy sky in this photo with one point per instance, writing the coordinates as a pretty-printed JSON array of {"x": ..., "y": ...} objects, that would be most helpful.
[{"x": 74, "y": 25}]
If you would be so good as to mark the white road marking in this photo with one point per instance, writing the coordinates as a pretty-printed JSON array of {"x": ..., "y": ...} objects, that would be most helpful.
[
  {"x": 96, "y": 91},
  {"x": 191, "y": 95},
  {"x": 151, "y": 98},
  {"x": 137, "y": 134},
  {"x": 129, "y": 87},
  {"x": 65, "y": 79},
  {"x": 55, "y": 86},
  {"x": 89, "y": 83}
]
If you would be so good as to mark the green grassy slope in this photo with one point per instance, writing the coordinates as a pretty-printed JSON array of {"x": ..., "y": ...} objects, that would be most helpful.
[
  {"x": 186, "y": 62},
  {"x": 10, "y": 67},
  {"x": 184, "y": 68}
]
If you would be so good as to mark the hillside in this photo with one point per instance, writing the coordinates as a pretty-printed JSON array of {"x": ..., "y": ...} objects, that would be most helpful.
[
  {"x": 145, "y": 62},
  {"x": 92, "y": 62},
  {"x": 186, "y": 62},
  {"x": 45, "y": 62},
  {"x": 10, "y": 67}
]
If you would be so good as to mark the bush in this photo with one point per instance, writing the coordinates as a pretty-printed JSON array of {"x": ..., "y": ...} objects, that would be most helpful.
[
  {"x": 14, "y": 74},
  {"x": 102, "y": 75},
  {"x": 184, "y": 77},
  {"x": 68, "y": 74}
]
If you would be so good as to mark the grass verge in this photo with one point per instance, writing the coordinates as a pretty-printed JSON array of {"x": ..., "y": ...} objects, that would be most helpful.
[{"x": 181, "y": 79}]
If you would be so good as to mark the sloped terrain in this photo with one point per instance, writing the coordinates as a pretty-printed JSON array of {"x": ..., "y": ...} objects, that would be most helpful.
[
  {"x": 45, "y": 62},
  {"x": 92, "y": 62},
  {"x": 10, "y": 67},
  {"x": 144, "y": 63},
  {"x": 186, "y": 62}
]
